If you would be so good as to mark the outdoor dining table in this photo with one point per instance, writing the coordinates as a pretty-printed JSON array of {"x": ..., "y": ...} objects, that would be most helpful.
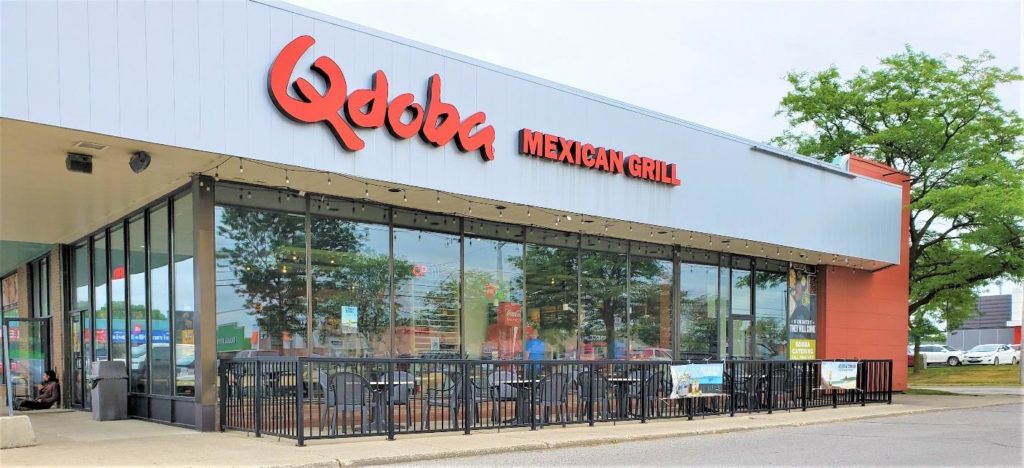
[
  {"x": 379, "y": 389},
  {"x": 523, "y": 405},
  {"x": 621, "y": 385}
]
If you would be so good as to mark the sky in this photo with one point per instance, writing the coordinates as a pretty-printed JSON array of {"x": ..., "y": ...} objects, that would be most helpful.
[{"x": 720, "y": 64}]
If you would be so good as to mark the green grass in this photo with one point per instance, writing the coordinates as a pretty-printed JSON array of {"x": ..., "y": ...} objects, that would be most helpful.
[{"x": 966, "y": 376}]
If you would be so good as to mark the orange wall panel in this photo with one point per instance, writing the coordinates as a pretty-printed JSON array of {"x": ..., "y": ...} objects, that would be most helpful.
[{"x": 861, "y": 314}]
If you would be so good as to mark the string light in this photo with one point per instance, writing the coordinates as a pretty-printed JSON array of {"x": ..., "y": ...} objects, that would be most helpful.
[
  {"x": 216, "y": 173},
  {"x": 527, "y": 212},
  {"x": 240, "y": 168},
  {"x": 328, "y": 179},
  {"x": 438, "y": 194},
  {"x": 404, "y": 198},
  {"x": 366, "y": 192},
  {"x": 287, "y": 181}
]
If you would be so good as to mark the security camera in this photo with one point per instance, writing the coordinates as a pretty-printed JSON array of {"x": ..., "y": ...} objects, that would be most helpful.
[{"x": 139, "y": 161}]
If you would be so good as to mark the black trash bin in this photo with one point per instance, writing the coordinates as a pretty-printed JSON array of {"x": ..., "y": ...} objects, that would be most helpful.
[{"x": 108, "y": 382}]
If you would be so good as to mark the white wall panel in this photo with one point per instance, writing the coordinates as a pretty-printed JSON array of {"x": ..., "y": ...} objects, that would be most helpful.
[{"x": 194, "y": 74}]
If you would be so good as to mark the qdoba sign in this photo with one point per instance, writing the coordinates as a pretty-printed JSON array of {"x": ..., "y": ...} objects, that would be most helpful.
[{"x": 438, "y": 124}]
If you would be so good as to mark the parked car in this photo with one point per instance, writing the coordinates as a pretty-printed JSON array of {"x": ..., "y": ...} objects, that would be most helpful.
[
  {"x": 994, "y": 354},
  {"x": 938, "y": 354}
]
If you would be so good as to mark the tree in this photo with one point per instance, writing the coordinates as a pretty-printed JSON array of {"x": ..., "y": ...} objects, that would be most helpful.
[{"x": 938, "y": 120}]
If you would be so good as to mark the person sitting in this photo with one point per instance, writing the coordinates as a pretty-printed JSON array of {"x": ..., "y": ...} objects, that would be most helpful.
[{"x": 48, "y": 393}]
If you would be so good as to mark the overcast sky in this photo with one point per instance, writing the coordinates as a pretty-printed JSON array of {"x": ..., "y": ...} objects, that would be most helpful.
[{"x": 719, "y": 64}]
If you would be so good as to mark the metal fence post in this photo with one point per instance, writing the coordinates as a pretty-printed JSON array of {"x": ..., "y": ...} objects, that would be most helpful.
[
  {"x": 300, "y": 431},
  {"x": 805, "y": 388},
  {"x": 258, "y": 404},
  {"x": 643, "y": 394},
  {"x": 590, "y": 395},
  {"x": 533, "y": 386},
  {"x": 771, "y": 394},
  {"x": 222, "y": 377},
  {"x": 889, "y": 382},
  {"x": 391, "y": 402},
  {"x": 864, "y": 381},
  {"x": 732, "y": 388},
  {"x": 467, "y": 410}
]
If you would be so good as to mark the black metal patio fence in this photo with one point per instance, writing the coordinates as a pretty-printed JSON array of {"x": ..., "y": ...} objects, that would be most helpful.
[{"x": 307, "y": 398}]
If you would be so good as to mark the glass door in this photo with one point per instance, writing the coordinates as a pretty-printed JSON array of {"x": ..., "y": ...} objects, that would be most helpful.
[
  {"x": 77, "y": 344},
  {"x": 741, "y": 338},
  {"x": 28, "y": 349}
]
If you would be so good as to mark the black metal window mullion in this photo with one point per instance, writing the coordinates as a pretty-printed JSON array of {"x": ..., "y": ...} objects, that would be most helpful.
[
  {"x": 462, "y": 288},
  {"x": 172, "y": 307},
  {"x": 391, "y": 280}
]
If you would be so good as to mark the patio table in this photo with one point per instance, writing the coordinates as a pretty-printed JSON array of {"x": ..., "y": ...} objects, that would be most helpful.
[
  {"x": 693, "y": 398},
  {"x": 379, "y": 389},
  {"x": 523, "y": 404},
  {"x": 621, "y": 384}
]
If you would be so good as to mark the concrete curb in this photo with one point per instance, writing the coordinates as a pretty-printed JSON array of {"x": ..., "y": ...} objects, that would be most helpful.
[{"x": 616, "y": 439}]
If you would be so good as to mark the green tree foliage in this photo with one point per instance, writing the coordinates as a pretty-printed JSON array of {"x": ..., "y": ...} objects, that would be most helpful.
[{"x": 940, "y": 121}]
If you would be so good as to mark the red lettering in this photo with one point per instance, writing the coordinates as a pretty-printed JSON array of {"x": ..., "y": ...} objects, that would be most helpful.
[
  {"x": 672, "y": 175},
  {"x": 375, "y": 100},
  {"x": 602, "y": 159},
  {"x": 369, "y": 108},
  {"x": 396, "y": 110},
  {"x": 482, "y": 140},
  {"x": 565, "y": 150},
  {"x": 616, "y": 161},
  {"x": 442, "y": 120},
  {"x": 633, "y": 164},
  {"x": 550, "y": 146},
  {"x": 588, "y": 155},
  {"x": 531, "y": 143},
  {"x": 648, "y": 168}
]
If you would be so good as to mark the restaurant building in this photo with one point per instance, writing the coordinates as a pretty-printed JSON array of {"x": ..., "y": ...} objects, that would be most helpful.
[{"x": 187, "y": 181}]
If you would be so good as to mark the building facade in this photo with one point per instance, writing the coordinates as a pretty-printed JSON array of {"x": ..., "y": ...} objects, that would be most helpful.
[
  {"x": 188, "y": 181},
  {"x": 996, "y": 320}
]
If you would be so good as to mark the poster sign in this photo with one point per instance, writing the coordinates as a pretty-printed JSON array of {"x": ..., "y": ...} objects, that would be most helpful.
[
  {"x": 801, "y": 349},
  {"x": 688, "y": 378},
  {"x": 231, "y": 337},
  {"x": 803, "y": 315},
  {"x": 350, "y": 319},
  {"x": 839, "y": 375}
]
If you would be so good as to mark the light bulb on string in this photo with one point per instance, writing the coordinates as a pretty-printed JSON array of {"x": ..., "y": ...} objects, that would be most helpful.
[
  {"x": 404, "y": 197},
  {"x": 366, "y": 191},
  {"x": 328, "y": 179},
  {"x": 287, "y": 181},
  {"x": 438, "y": 198},
  {"x": 240, "y": 168}
]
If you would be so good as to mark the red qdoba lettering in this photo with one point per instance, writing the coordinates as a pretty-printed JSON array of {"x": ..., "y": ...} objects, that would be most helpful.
[{"x": 438, "y": 124}]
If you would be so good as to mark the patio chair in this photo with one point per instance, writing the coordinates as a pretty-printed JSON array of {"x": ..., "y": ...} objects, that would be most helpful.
[
  {"x": 739, "y": 390},
  {"x": 348, "y": 393},
  {"x": 401, "y": 395},
  {"x": 553, "y": 396},
  {"x": 600, "y": 397},
  {"x": 450, "y": 396},
  {"x": 646, "y": 392},
  {"x": 782, "y": 387},
  {"x": 500, "y": 392}
]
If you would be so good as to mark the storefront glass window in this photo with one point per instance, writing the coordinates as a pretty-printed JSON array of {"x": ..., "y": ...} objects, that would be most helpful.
[
  {"x": 80, "y": 296},
  {"x": 650, "y": 314},
  {"x": 740, "y": 286},
  {"x": 261, "y": 278},
  {"x": 603, "y": 286},
  {"x": 99, "y": 270},
  {"x": 184, "y": 298},
  {"x": 770, "y": 313},
  {"x": 552, "y": 294},
  {"x": 351, "y": 286},
  {"x": 159, "y": 352},
  {"x": 493, "y": 291},
  {"x": 427, "y": 285},
  {"x": 698, "y": 310},
  {"x": 41, "y": 287},
  {"x": 137, "y": 327},
  {"x": 118, "y": 300}
]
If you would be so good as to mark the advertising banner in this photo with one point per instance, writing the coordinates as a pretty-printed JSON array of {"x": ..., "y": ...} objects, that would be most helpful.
[
  {"x": 839, "y": 375},
  {"x": 802, "y": 349},
  {"x": 688, "y": 378},
  {"x": 803, "y": 315},
  {"x": 349, "y": 319},
  {"x": 231, "y": 337}
]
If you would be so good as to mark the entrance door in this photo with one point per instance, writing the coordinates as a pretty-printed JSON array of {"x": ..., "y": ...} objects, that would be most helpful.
[{"x": 77, "y": 336}]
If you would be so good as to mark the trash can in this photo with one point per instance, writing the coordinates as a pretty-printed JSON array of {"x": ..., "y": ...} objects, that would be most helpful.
[{"x": 108, "y": 383}]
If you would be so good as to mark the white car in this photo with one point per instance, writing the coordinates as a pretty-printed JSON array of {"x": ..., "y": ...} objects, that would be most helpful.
[
  {"x": 991, "y": 354},
  {"x": 940, "y": 354}
]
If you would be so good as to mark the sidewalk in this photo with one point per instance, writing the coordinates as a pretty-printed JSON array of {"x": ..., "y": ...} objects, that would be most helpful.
[{"x": 71, "y": 438}]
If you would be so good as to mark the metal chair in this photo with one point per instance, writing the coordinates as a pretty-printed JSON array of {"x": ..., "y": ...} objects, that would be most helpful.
[
  {"x": 646, "y": 393},
  {"x": 348, "y": 392},
  {"x": 450, "y": 396},
  {"x": 401, "y": 394},
  {"x": 500, "y": 392},
  {"x": 553, "y": 396},
  {"x": 600, "y": 396}
]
